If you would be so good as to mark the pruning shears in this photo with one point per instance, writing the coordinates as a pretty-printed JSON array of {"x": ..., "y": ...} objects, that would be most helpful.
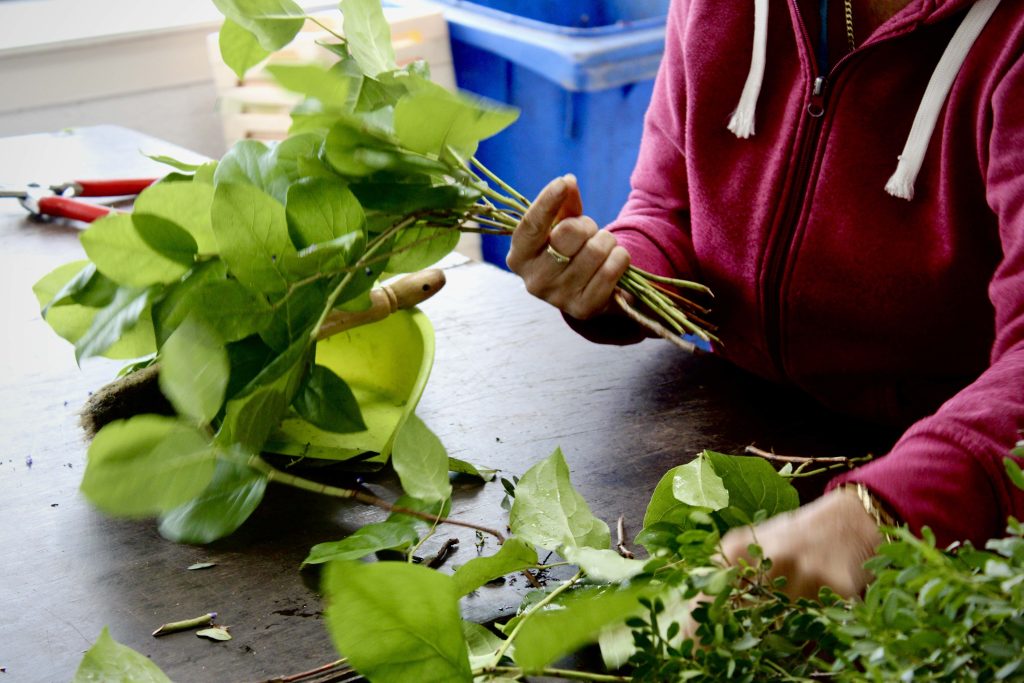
[{"x": 61, "y": 201}]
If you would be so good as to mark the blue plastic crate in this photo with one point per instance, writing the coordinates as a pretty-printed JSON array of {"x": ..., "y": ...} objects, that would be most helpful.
[
  {"x": 576, "y": 13},
  {"x": 582, "y": 92}
]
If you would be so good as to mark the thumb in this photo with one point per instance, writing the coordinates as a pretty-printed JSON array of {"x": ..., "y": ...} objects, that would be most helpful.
[{"x": 572, "y": 204}]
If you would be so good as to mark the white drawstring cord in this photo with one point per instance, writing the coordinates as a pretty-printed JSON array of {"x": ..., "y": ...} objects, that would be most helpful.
[
  {"x": 742, "y": 121},
  {"x": 901, "y": 184}
]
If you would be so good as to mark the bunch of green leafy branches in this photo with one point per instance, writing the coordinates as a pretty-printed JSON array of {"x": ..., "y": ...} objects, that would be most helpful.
[{"x": 954, "y": 614}]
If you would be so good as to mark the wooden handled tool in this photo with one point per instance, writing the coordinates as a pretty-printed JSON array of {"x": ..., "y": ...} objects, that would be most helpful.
[{"x": 139, "y": 392}]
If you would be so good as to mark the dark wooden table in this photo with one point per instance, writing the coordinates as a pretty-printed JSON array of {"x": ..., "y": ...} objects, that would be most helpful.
[{"x": 510, "y": 383}]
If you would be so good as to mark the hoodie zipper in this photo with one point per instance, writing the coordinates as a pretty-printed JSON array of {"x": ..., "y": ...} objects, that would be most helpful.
[{"x": 779, "y": 251}]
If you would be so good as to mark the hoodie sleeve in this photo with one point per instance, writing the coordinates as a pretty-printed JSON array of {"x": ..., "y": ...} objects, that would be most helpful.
[
  {"x": 654, "y": 225},
  {"x": 947, "y": 471}
]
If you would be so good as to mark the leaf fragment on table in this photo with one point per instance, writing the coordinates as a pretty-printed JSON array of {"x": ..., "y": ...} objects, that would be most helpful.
[
  {"x": 214, "y": 633},
  {"x": 202, "y": 565},
  {"x": 109, "y": 660}
]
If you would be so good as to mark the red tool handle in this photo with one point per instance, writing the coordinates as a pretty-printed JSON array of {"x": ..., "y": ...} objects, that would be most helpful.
[
  {"x": 69, "y": 208},
  {"x": 112, "y": 188}
]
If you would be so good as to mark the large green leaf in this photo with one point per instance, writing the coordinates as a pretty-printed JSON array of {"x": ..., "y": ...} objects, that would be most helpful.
[
  {"x": 109, "y": 660},
  {"x": 432, "y": 120},
  {"x": 328, "y": 86},
  {"x": 753, "y": 486},
  {"x": 231, "y": 309},
  {"x": 129, "y": 309},
  {"x": 257, "y": 410},
  {"x": 194, "y": 370},
  {"x": 274, "y": 23},
  {"x": 368, "y": 35},
  {"x": 419, "y": 247},
  {"x": 397, "y": 622},
  {"x": 421, "y": 461},
  {"x": 295, "y": 315},
  {"x": 239, "y": 48},
  {"x": 187, "y": 205},
  {"x": 550, "y": 513},
  {"x": 663, "y": 505},
  {"x": 233, "y": 494},
  {"x": 252, "y": 236},
  {"x": 320, "y": 210},
  {"x": 72, "y": 321},
  {"x": 550, "y": 634},
  {"x": 355, "y": 149},
  {"x": 166, "y": 237},
  {"x": 696, "y": 483},
  {"x": 513, "y": 556},
  {"x": 366, "y": 540},
  {"x": 120, "y": 253},
  {"x": 146, "y": 465},
  {"x": 88, "y": 287},
  {"x": 327, "y": 402}
]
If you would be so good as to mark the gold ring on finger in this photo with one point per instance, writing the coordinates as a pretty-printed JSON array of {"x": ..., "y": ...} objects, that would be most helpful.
[{"x": 559, "y": 258}]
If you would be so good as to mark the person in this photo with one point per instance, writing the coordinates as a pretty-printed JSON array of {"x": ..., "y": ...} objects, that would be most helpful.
[{"x": 855, "y": 200}]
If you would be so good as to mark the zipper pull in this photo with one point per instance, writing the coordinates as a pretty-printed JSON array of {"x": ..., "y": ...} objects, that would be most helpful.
[{"x": 816, "y": 107}]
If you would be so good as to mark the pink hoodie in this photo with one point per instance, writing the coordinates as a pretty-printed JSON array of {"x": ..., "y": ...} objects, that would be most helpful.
[{"x": 907, "y": 312}]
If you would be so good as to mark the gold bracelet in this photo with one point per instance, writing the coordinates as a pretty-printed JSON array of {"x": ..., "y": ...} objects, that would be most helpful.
[{"x": 875, "y": 510}]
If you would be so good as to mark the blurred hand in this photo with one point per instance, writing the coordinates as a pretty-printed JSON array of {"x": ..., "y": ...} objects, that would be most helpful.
[
  {"x": 823, "y": 543},
  {"x": 582, "y": 286}
]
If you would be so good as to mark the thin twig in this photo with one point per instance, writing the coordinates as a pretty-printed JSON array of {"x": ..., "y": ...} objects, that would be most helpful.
[
  {"x": 653, "y": 325},
  {"x": 442, "y": 554},
  {"x": 343, "y": 662},
  {"x": 620, "y": 528},
  {"x": 532, "y": 579},
  {"x": 798, "y": 459}
]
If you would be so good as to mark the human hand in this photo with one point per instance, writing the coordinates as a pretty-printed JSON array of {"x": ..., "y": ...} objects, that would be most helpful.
[
  {"x": 823, "y": 543},
  {"x": 582, "y": 286}
]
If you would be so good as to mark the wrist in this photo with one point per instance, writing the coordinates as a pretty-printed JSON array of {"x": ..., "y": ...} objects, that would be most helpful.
[{"x": 880, "y": 517}]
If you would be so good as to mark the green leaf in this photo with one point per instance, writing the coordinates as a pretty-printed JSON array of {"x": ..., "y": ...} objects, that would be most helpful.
[
  {"x": 328, "y": 86},
  {"x": 186, "y": 205},
  {"x": 252, "y": 236},
  {"x": 296, "y": 315},
  {"x": 146, "y": 465},
  {"x": 697, "y": 484},
  {"x": 257, "y": 410},
  {"x": 274, "y": 23},
  {"x": 194, "y": 371},
  {"x": 183, "y": 166},
  {"x": 88, "y": 287},
  {"x": 603, "y": 565},
  {"x": 320, "y": 210},
  {"x": 482, "y": 644},
  {"x": 550, "y": 513},
  {"x": 1013, "y": 471},
  {"x": 327, "y": 402},
  {"x": 514, "y": 555},
  {"x": 239, "y": 48},
  {"x": 109, "y": 660},
  {"x": 389, "y": 635},
  {"x": 113, "y": 321},
  {"x": 421, "y": 461},
  {"x": 401, "y": 197},
  {"x": 272, "y": 169},
  {"x": 166, "y": 238},
  {"x": 368, "y": 35},
  {"x": 365, "y": 541},
  {"x": 215, "y": 633},
  {"x": 549, "y": 634},
  {"x": 432, "y": 120},
  {"x": 120, "y": 253},
  {"x": 232, "y": 495},
  {"x": 468, "y": 468},
  {"x": 753, "y": 485},
  {"x": 420, "y": 247},
  {"x": 332, "y": 256}
]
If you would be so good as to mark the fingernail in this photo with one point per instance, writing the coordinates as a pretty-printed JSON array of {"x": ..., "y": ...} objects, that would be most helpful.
[{"x": 569, "y": 178}]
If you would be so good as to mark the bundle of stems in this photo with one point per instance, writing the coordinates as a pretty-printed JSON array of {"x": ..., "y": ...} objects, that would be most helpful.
[{"x": 675, "y": 314}]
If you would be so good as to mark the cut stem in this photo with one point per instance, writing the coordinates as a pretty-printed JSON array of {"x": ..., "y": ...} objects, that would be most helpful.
[
  {"x": 274, "y": 474},
  {"x": 185, "y": 625}
]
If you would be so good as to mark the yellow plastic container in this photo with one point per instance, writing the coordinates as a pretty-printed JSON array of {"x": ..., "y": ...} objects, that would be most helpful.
[{"x": 386, "y": 365}]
